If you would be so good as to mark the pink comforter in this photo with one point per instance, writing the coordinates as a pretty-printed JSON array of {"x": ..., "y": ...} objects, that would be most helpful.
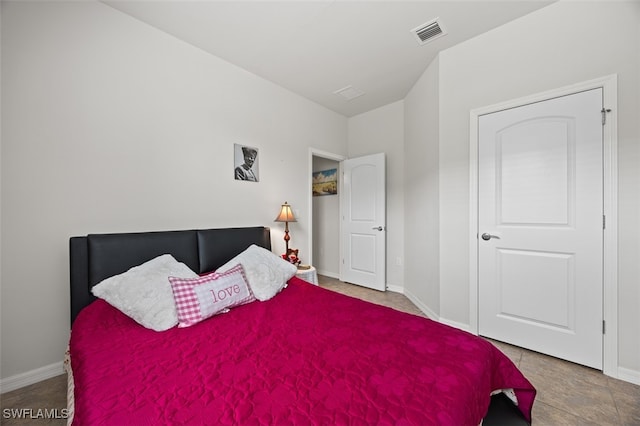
[{"x": 308, "y": 356}]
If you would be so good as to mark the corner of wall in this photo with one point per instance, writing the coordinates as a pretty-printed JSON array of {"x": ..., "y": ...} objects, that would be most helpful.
[{"x": 421, "y": 175}]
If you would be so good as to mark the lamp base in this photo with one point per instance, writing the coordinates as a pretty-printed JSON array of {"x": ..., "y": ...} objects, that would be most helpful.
[{"x": 286, "y": 237}]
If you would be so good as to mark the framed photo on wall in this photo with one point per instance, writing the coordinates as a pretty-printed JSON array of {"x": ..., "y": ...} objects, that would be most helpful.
[
  {"x": 325, "y": 182},
  {"x": 245, "y": 161}
]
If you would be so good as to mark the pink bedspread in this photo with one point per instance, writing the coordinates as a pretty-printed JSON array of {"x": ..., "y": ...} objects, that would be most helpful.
[{"x": 308, "y": 356}]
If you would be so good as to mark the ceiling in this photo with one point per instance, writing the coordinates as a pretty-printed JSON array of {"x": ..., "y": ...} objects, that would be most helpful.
[{"x": 315, "y": 48}]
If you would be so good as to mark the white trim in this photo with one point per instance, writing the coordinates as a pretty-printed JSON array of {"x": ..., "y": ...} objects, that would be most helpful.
[
  {"x": 329, "y": 274},
  {"x": 331, "y": 156},
  {"x": 610, "y": 365},
  {"x": 628, "y": 375},
  {"x": 455, "y": 324},
  {"x": 424, "y": 308},
  {"x": 433, "y": 316},
  {"x": 609, "y": 84},
  {"x": 395, "y": 288},
  {"x": 30, "y": 377}
]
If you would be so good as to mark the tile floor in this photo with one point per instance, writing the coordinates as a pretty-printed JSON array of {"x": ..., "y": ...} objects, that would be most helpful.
[
  {"x": 47, "y": 394},
  {"x": 568, "y": 394}
]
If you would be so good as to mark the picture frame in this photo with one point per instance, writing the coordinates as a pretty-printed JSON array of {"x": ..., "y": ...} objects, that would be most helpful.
[
  {"x": 245, "y": 163},
  {"x": 325, "y": 182}
]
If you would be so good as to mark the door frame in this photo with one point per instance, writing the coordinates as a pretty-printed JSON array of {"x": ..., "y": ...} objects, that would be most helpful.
[
  {"x": 609, "y": 84},
  {"x": 313, "y": 152}
]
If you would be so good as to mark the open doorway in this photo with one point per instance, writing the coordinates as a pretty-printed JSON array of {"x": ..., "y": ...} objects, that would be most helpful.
[
  {"x": 325, "y": 213},
  {"x": 321, "y": 240}
]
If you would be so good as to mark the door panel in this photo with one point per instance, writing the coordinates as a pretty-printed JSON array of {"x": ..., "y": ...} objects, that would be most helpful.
[
  {"x": 363, "y": 192},
  {"x": 529, "y": 280},
  {"x": 363, "y": 253},
  {"x": 540, "y": 204},
  {"x": 534, "y": 162},
  {"x": 364, "y": 233}
]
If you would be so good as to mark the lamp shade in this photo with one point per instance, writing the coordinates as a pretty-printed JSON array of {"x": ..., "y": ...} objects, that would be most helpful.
[{"x": 286, "y": 214}]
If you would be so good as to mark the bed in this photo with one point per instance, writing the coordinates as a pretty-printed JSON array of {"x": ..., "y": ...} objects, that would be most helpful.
[{"x": 305, "y": 356}]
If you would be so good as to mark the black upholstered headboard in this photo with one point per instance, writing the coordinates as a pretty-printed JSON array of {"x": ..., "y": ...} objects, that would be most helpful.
[{"x": 98, "y": 256}]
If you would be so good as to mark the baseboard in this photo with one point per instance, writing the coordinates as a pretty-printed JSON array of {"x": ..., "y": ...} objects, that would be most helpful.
[
  {"x": 432, "y": 315},
  {"x": 395, "y": 288},
  {"x": 424, "y": 308},
  {"x": 328, "y": 274},
  {"x": 628, "y": 375},
  {"x": 455, "y": 324},
  {"x": 30, "y": 377},
  {"x": 390, "y": 287}
]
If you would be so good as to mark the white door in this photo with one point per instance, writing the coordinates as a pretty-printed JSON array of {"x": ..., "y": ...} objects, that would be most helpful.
[
  {"x": 540, "y": 222},
  {"x": 364, "y": 221}
]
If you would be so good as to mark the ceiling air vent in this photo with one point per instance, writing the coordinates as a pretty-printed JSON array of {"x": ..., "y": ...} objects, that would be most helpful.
[
  {"x": 428, "y": 32},
  {"x": 349, "y": 93}
]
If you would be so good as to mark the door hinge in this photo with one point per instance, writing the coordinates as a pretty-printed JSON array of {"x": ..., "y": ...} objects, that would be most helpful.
[
  {"x": 604, "y": 328},
  {"x": 604, "y": 112},
  {"x": 604, "y": 222}
]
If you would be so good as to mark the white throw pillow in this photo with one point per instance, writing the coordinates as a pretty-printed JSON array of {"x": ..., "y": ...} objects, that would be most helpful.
[
  {"x": 266, "y": 273},
  {"x": 144, "y": 292}
]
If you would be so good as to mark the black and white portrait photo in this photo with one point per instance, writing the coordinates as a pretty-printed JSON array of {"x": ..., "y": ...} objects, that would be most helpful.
[{"x": 246, "y": 163}]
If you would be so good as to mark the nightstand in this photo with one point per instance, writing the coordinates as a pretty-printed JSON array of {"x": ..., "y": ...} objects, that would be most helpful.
[{"x": 309, "y": 275}]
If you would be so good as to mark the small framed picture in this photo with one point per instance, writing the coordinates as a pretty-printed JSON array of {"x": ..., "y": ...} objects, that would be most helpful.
[
  {"x": 245, "y": 160},
  {"x": 325, "y": 182}
]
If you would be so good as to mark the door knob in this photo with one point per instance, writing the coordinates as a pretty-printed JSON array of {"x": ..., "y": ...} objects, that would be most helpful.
[
  {"x": 379, "y": 228},
  {"x": 487, "y": 237}
]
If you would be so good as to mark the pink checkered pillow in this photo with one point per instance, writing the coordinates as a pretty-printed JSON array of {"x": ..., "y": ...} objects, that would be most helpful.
[{"x": 200, "y": 298}]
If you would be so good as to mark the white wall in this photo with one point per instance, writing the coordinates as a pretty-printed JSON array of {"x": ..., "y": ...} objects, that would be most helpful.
[
  {"x": 561, "y": 44},
  {"x": 109, "y": 125},
  {"x": 382, "y": 130},
  {"x": 326, "y": 226},
  {"x": 421, "y": 203}
]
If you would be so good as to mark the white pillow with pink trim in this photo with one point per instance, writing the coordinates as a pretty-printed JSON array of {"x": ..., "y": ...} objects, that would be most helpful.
[{"x": 200, "y": 298}]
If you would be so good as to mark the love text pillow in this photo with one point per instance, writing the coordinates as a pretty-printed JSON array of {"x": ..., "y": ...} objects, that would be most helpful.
[{"x": 202, "y": 297}]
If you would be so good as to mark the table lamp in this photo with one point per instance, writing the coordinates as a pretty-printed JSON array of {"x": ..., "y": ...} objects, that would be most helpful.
[{"x": 286, "y": 216}]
